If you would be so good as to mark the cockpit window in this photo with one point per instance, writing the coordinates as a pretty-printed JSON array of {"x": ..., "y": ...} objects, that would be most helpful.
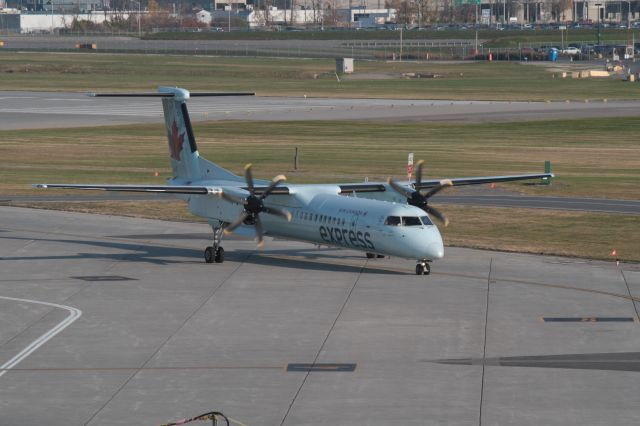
[
  {"x": 411, "y": 221},
  {"x": 393, "y": 221},
  {"x": 425, "y": 220}
]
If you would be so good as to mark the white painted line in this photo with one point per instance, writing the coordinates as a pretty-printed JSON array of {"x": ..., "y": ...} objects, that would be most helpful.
[{"x": 74, "y": 314}]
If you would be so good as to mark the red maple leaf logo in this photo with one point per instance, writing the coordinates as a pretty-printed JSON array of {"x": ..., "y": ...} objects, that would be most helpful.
[{"x": 175, "y": 142}]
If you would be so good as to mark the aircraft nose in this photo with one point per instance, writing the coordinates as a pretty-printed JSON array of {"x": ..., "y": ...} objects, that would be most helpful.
[
  {"x": 435, "y": 250},
  {"x": 431, "y": 245}
]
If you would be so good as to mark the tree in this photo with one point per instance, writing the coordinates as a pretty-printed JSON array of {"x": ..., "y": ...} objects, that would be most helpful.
[{"x": 332, "y": 15}]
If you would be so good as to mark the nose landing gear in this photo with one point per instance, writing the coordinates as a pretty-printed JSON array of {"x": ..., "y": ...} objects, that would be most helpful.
[{"x": 423, "y": 268}]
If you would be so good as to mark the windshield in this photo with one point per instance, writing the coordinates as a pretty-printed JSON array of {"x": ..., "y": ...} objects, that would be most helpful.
[
  {"x": 393, "y": 221},
  {"x": 425, "y": 219},
  {"x": 407, "y": 221},
  {"x": 411, "y": 221}
]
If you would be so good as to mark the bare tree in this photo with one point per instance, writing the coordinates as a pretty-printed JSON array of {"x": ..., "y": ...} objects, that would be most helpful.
[
  {"x": 316, "y": 6},
  {"x": 332, "y": 15},
  {"x": 559, "y": 8}
]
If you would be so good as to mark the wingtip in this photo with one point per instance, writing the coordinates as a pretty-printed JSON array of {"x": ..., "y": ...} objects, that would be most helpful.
[
  {"x": 39, "y": 185},
  {"x": 419, "y": 163},
  {"x": 280, "y": 177},
  {"x": 248, "y": 166},
  {"x": 446, "y": 182}
]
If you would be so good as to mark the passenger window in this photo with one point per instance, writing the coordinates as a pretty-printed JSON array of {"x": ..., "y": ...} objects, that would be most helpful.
[
  {"x": 392, "y": 221},
  {"x": 426, "y": 220},
  {"x": 411, "y": 221}
]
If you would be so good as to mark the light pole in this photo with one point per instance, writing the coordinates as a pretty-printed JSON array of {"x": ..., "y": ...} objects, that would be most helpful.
[
  {"x": 139, "y": 14},
  {"x": 598, "y": 5}
]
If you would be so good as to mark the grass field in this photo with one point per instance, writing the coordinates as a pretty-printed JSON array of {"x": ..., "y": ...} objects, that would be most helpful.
[
  {"x": 279, "y": 77},
  {"x": 595, "y": 158}
]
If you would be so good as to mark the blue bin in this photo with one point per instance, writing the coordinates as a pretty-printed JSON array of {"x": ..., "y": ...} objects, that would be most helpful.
[{"x": 553, "y": 54}]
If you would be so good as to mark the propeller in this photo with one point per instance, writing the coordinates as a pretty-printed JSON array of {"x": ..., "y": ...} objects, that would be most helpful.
[
  {"x": 254, "y": 205},
  {"x": 419, "y": 198}
]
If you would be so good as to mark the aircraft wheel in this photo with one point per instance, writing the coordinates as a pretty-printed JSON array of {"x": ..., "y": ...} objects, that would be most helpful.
[
  {"x": 419, "y": 269},
  {"x": 427, "y": 269},
  {"x": 371, "y": 255},
  {"x": 219, "y": 255},
  {"x": 208, "y": 255}
]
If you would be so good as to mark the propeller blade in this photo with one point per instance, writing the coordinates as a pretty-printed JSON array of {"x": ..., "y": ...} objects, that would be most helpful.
[
  {"x": 275, "y": 182},
  {"x": 231, "y": 198},
  {"x": 442, "y": 185},
  {"x": 259, "y": 231},
  {"x": 438, "y": 215},
  {"x": 233, "y": 225},
  {"x": 419, "y": 173},
  {"x": 278, "y": 212},
  {"x": 400, "y": 189},
  {"x": 248, "y": 176}
]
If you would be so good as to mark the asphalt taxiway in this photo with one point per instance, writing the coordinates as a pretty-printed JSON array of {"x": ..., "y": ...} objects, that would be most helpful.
[
  {"x": 118, "y": 321},
  {"x": 19, "y": 110}
]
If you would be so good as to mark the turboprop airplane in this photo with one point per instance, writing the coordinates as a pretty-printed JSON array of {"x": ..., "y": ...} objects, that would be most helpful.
[{"x": 384, "y": 218}]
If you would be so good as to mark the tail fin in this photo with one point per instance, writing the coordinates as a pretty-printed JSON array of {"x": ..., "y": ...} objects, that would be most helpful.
[
  {"x": 186, "y": 163},
  {"x": 183, "y": 150}
]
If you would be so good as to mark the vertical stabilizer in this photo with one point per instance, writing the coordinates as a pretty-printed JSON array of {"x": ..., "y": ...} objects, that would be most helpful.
[{"x": 182, "y": 143}]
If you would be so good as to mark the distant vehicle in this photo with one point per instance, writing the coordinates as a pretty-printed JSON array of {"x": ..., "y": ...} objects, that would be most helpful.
[{"x": 571, "y": 51}]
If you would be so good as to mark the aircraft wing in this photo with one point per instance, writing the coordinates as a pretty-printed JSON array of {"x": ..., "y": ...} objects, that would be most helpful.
[
  {"x": 430, "y": 183},
  {"x": 167, "y": 189}
]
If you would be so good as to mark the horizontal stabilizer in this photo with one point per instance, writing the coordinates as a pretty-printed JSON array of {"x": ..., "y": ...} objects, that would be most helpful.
[{"x": 166, "y": 95}]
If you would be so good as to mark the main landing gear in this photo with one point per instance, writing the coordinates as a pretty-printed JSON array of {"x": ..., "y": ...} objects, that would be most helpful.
[
  {"x": 423, "y": 268},
  {"x": 215, "y": 253}
]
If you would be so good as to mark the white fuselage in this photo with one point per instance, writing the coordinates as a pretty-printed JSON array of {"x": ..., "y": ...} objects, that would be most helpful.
[{"x": 320, "y": 215}]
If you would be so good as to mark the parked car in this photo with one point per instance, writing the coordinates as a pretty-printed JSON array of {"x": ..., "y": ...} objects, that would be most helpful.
[{"x": 570, "y": 50}]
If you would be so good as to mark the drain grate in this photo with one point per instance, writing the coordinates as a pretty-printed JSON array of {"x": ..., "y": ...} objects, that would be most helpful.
[
  {"x": 588, "y": 319},
  {"x": 100, "y": 278},
  {"x": 321, "y": 367}
]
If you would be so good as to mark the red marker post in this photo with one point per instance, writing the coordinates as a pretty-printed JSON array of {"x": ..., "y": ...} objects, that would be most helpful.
[{"x": 614, "y": 253}]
